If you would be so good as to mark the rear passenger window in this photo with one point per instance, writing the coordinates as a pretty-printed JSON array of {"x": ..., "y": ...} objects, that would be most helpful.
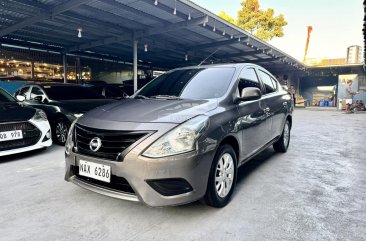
[
  {"x": 248, "y": 78},
  {"x": 268, "y": 82},
  {"x": 274, "y": 83}
]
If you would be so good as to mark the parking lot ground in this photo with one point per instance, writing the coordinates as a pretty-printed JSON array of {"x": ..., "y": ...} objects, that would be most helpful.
[{"x": 315, "y": 191}]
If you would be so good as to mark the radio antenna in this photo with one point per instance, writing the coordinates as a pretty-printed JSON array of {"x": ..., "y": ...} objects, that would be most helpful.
[{"x": 208, "y": 56}]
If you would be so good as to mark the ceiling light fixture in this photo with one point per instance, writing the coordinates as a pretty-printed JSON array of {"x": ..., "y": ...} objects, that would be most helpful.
[
  {"x": 186, "y": 57},
  {"x": 145, "y": 47},
  {"x": 79, "y": 32},
  {"x": 156, "y": 2},
  {"x": 175, "y": 7}
]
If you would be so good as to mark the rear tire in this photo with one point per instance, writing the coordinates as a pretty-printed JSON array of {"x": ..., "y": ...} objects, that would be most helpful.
[
  {"x": 60, "y": 131},
  {"x": 281, "y": 145},
  {"x": 222, "y": 177}
]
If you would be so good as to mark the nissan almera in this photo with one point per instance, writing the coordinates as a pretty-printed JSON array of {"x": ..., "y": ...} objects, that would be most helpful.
[{"x": 182, "y": 137}]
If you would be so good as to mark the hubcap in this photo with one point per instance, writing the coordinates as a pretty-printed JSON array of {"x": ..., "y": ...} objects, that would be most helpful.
[
  {"x": 61, "y": 132},
  {"x": 224, "y": 175},
  {"x": 286, "y": 135}
]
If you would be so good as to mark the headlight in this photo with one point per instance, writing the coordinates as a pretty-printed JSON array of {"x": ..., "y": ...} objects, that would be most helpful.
[
  {"x": 69, "y": 141},
  {"x": 78, "y": 115},
  {"x": 179, "y": 140},
  {"x": 39, "y": 116}
]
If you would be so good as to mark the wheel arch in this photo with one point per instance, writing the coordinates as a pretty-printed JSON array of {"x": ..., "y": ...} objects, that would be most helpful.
[{"x": 234, "y": 143}]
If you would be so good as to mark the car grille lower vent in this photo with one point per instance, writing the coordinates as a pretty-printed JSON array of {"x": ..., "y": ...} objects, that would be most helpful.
[
  {"x": 31, "y": 135},
  {"x": 113, "y": 142}
]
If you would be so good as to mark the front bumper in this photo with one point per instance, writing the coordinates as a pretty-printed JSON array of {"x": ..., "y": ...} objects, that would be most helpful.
[
  {"x": 137, "y": 170},
  {"x": 43, "y": 142}
]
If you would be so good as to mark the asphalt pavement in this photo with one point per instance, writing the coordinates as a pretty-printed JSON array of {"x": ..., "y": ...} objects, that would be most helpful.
[{"x": 315, "y": 191}]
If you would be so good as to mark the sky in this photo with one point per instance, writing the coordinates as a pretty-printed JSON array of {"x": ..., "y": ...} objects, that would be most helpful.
[{"x": 336, "y": 24}]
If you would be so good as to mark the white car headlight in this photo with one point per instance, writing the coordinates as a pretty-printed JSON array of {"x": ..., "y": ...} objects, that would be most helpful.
[
  {"x": 69, "y": 141},
  {"x": 39, "y": 116},
  {"x": 179, "y": 140}
]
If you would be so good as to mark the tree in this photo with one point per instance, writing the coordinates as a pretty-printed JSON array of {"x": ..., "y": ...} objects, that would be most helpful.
[
  {"x": 227, "y": 17},
  {"x": 261, "y": 23}
]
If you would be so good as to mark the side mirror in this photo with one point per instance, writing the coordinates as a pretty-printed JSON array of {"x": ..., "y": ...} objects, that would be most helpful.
[
  {"x": 250, "y": 93},
  {"x": 285, "y": 87},
  {"x": 20, "y": 98}
]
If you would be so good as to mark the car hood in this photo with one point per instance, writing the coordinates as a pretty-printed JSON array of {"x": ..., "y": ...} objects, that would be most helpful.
[
  {"x": 82, "y": 106},
  {"x": 10, "y": 112},
  {"x": 152, "y": 110}
]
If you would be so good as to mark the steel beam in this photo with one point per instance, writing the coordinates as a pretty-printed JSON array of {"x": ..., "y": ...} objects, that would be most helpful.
[
  {"x": 139, "y": 34},
  {"x": 44, "y": 14}
]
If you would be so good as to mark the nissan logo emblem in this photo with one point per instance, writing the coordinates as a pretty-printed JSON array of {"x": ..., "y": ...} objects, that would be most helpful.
[{"x": 95, "y": 144}]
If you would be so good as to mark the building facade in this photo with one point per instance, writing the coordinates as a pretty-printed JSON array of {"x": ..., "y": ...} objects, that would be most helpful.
[{"x": 354, "y": 54}]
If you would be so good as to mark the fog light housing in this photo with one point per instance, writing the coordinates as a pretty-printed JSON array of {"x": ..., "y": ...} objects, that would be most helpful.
[
  {"x": 170, "y": 186},
  {"x": 47, "y": 136}
]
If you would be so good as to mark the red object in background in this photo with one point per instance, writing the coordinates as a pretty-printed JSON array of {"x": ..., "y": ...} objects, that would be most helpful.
[{"x": 310, "y": 28}]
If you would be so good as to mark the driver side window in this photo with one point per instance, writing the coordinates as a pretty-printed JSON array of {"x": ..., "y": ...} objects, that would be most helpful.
[{"x": 247, "y": 78}]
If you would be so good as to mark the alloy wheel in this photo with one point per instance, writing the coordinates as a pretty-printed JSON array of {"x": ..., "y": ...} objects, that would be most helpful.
[
  {"x": 61, "y": 132},
  {"x": 224, "y": 177},
  {"x": 286, "y": 134}
]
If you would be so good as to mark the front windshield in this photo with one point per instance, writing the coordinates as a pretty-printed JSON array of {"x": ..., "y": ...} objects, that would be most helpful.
[
  {"x": 5, "y": 97},
  {"x": 70, "y": 92},
  {"x": 195, "y": 83}
]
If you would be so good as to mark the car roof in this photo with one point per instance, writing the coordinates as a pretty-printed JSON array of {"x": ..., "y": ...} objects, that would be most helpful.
[
  {"x": 232, "y": 65},
  {"x": 42, "y": 84}
]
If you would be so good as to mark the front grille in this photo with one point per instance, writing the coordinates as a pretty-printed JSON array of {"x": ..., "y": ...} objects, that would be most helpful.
[
  {"x": 31, "y": 135},
  {"x": 113, "y": 142},
  {"x": 117, "y": 183}
]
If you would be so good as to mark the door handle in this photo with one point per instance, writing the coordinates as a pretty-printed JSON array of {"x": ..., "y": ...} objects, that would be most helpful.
[{"x": 267, "y": 109}]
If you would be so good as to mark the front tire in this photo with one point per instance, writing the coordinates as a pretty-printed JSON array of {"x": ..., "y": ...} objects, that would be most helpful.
[
  {"x": 222, "y": 177},
  {"x": 281, "y": 145},
  {"x": 61, "y": 129}
]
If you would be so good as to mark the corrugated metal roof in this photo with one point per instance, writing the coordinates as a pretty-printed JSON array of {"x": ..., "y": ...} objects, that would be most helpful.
[{"x": 108, "y": 27}]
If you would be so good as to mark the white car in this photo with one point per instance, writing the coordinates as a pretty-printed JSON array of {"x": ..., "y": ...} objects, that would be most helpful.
[{"x": 21, "y": 128}]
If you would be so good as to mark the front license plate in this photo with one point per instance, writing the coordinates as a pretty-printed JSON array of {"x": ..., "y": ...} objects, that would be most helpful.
[
  {"x": 94, "y": 170},
  {"x": 11, "y": 135}
]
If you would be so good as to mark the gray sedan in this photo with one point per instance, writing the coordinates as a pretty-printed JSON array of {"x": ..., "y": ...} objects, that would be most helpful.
[{"x": 182, "y": 137}]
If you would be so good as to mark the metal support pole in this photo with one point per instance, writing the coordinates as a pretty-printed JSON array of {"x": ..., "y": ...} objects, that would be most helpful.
[
  {"x": 32, "y": 69},
  {"x": 134, "y": 66},
  {"x": 64, "y": 63}
]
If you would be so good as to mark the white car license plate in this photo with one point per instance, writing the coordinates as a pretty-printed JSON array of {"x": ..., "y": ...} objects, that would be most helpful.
[
  {"x": 94, "y": 170},
  {"x": 11, "y": 135}
]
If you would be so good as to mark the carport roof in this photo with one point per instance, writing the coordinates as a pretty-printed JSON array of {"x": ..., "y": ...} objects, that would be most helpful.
[{"x": 172, "y": 38}]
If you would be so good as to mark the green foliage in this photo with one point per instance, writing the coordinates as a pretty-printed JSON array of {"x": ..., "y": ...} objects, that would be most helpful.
[
  {"x": 261, "y": 23},
  {"x": 227, "y": 17}
]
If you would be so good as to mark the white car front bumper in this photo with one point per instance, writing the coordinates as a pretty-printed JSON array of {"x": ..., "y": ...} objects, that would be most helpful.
[{"x": 43, "y": 141}]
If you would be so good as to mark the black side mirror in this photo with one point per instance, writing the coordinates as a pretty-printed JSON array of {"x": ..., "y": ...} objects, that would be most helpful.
[{"x": 250, "y": 93}]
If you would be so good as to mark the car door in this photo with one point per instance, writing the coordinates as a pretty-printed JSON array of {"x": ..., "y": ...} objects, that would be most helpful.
[
  {"x": 252, "y": 117},
  {"x": 274, "y": 104}
]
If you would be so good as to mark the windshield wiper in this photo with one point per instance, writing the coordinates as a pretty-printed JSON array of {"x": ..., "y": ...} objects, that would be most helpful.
[
  {"x": 166, "y": 97},
  {"x": 141, "y": 97}
]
